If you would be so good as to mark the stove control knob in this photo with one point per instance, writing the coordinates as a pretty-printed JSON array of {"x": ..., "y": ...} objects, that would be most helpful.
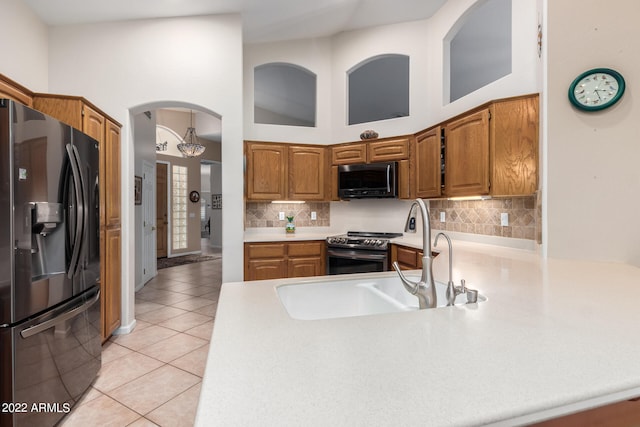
[
  {"x": 379, "y": 242},
  {"x": 367, "y": 242}
]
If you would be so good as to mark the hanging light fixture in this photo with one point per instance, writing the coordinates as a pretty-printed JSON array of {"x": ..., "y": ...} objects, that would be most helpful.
[{"x": 190, "y": 147}]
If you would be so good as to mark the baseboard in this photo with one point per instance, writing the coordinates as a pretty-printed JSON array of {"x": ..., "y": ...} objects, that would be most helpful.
[{"x": 125, "y": 329}]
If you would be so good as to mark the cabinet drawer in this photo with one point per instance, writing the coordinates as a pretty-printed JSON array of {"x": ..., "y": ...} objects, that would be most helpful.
[
  {"x": 267, "y": 250},
  {"x": 393, "y": 149},
  {"x": 305, "y": 249},
  {"x": 407, "y": 256},
  {"x": 349, "y": 154}
]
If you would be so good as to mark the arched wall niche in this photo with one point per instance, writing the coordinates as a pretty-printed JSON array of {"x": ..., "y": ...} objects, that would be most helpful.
[
  {"x": 378, "y": 89},
  {"x": 477, "y": 49},
  {"x": 284, "y": 94}
]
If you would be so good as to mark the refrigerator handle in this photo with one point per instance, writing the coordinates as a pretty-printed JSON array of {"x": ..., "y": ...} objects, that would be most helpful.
[
  {"x": 36, "y": 329},
  {"x": 77, "y": 183}
]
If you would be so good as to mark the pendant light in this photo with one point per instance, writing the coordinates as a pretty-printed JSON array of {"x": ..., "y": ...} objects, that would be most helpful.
[{"x": 190, "y": 147}]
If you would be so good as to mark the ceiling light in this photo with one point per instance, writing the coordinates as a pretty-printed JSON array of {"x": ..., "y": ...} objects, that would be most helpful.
[{"x": 190, "y": 147}]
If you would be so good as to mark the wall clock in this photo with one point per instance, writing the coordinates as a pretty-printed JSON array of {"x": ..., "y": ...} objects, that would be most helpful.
[
  {"x": 596, "y": 89},
  {"x": 194, "y": 196}
]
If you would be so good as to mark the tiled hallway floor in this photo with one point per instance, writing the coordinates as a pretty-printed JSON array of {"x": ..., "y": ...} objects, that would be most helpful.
[{"x": 152, "y": 376}]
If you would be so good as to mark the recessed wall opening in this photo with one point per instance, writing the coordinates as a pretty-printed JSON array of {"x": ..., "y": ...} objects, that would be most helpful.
[
  {"x": 284, "y": 94},
  {"x": 477, "y": 50},
  {"x": 378, "y": 89}
]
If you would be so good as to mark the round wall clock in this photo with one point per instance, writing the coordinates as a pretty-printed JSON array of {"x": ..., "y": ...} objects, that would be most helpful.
[
  {"x": 194, "y": 196},
  {"x": 596, "y": 89}
]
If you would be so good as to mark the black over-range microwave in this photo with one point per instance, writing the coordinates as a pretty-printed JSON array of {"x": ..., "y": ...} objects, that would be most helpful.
[{"x": 370, "y": 180}]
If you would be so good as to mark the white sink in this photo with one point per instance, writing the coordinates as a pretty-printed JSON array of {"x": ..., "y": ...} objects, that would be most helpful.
[{"x": 354, "y": 297}]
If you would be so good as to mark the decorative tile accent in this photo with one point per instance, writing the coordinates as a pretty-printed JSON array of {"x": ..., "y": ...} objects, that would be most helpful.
[
  {"x": 265, "y": 214},
  {"x": 483, "y": 216}
]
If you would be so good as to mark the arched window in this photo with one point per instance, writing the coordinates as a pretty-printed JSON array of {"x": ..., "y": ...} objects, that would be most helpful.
[
  {"x": 284, "y": 94},
  {"x": 379, "y": 89},
  {"x": 478, "y": 48}
]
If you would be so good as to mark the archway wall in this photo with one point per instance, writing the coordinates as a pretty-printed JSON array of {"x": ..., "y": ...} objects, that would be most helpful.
[{"x": 196, "y": 60}]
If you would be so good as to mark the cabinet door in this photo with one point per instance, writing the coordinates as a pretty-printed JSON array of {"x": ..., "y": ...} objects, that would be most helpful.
[
  {"x": 110, "y": 285},
  {"x": 307, "y": 172},
  {"x": 93, "y": 123},
  {"x": 111, "y": 150},
  {"x": 266, "y": 171},
  {"x": 467, "y": 155},
  {"x": 305, "y": 267},
  {"x": 262, "y": 269},
  {"x": 514, "y": 146},
  {"x": 388, "y": 150},
  {"x": 427, "y": 175},
  {"x": 349, "y": 154}
]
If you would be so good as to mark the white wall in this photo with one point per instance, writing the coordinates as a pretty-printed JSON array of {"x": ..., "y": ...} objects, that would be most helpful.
[
  {"x": 24, "y": 47},
  {"x": 130, "y": 67},
  {"x": 593, "y": 179}
]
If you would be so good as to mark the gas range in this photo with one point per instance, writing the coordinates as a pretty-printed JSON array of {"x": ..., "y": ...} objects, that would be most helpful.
[{"x": 362, "y": 240}]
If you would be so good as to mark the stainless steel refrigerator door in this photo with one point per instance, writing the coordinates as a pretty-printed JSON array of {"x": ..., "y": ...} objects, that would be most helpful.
[
  {"x": 38, "y": 149},
  {"x": 87, "y": 273},
  {"x": 53, "y": 360}
]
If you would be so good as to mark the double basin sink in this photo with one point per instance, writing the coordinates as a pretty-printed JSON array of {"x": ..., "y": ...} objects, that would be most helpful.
[{"x": 357, "y": 296}]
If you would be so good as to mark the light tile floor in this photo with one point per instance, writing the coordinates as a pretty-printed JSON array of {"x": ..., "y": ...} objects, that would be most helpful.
[{"x": 152, "y": 376}]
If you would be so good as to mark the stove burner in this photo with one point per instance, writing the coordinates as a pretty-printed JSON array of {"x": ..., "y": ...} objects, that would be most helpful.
[{"x": 362, "y": 240}]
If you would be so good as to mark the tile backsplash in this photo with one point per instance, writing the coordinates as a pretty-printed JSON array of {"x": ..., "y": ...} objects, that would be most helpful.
[
  {"x": 466, "y": 216},
  {"x": 483, "y": 216},
  {"x": 265, "y": 214}
]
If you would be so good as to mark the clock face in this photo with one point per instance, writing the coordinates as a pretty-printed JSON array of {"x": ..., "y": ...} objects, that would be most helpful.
[
  {"x": 194, "y": 196},
  {"x": 596, "y": 89}
]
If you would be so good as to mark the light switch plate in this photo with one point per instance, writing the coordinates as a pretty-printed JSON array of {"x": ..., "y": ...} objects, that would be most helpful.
[
  {"x": 281, "y": 216},
  {"x": 504, "y": 219},
  {"x": 442, "y": 216},
  {"x": 314, "y": 216}
]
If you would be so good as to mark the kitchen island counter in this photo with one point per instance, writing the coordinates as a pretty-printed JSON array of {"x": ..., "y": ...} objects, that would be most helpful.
[{"x": 553, "y": 337}]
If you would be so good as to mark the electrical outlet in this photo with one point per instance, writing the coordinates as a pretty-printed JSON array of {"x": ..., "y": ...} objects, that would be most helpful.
[
  {"x": 504, "y": 219},
  {"x": 281, "y": 216},
  {"x": 442, "y": 216},
  {"x": 314, "y": 216}
]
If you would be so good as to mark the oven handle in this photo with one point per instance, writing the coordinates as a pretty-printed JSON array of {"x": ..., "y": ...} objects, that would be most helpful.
[
  {"x": 388, "y": 178},
  {"x": 349, "y": 254}
]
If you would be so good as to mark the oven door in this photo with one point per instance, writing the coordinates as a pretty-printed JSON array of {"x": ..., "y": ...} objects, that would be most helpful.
[{"x": 346, "y": 261}]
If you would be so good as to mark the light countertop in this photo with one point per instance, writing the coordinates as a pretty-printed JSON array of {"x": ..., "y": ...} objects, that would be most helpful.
[{"x": 553, "y": 337}]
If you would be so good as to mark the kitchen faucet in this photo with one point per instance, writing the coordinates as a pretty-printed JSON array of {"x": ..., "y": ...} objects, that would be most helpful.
[
  {"x": 424, "y": 289},
  {"x": 452, "y": 290}
]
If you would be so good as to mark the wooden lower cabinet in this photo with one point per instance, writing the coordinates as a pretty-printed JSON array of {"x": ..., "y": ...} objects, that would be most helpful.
[
  {"x": 407, "y": 258},
  {"x": 278, "y": 260},
  {"x": 111, "y": 292},
  {"x": 621, "y": 414}
]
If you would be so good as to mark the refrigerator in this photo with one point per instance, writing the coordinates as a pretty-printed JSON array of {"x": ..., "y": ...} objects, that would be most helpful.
[{"x": 50, "y": 345}]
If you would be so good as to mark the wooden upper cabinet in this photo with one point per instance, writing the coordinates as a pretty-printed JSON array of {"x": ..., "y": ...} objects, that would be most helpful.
[
  {"x": 467, "y": 155},
  {"x": 67, "y": 109},
  {"x": 266, "y": 171},
  {"x": 111, "y": 156},
  {"x": 514, "y": 146},
  {"x": 308, "y": 172},
  {"x": 388, "y": 150},
  {"x": 93, "y": 123},
  {"x": 12, "y": 90},
  {"x": 425, "y": 162},
  {"x": 346, "y": 154}
]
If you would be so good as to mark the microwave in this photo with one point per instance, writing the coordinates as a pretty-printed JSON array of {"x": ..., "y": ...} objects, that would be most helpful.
[{"x": 370, "y": 180}]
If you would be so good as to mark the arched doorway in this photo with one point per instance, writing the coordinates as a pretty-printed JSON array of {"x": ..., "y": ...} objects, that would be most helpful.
[{"x": 183, "y": 224}]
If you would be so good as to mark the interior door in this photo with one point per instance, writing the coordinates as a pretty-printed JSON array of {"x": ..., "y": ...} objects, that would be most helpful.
[
  {"x": 149, "y": 222},
  {"x": 162, "y": 220}
]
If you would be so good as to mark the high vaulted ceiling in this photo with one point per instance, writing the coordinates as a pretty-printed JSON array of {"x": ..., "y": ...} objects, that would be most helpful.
[{"x": 263, "y": 20}]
